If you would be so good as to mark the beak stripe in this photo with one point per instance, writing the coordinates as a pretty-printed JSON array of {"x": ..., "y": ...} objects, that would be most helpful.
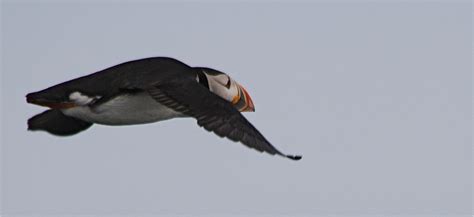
[
  {"x": 236, "y": 99},
  {"x": 248, "y": 100}
]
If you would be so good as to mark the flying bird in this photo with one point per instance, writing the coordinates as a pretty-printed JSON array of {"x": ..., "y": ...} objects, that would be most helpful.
[{"x": 146, "y": 91}]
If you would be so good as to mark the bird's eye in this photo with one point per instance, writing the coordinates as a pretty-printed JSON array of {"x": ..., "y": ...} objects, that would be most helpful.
[{"x": 228, "y": 83}]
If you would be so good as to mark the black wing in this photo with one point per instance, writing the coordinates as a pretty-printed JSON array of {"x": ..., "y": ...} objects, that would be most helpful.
[
  {"x": 212, "y": 112},
  {"x": 56, "y": 123}
]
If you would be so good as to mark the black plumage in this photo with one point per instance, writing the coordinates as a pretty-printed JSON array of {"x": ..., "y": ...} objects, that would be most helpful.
[{"x": 168, "y": 81}]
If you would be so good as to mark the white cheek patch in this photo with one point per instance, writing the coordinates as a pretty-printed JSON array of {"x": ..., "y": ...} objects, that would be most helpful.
[
  {"x": 81, "y": 99},
  {"x": 219, "y": 89}
]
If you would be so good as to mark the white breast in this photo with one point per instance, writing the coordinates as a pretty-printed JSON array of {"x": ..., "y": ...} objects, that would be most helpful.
[{"x": 124, "y": 110}]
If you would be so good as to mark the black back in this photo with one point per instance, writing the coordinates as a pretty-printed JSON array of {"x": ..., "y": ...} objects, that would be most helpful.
[{"x": 136, "y": 74}]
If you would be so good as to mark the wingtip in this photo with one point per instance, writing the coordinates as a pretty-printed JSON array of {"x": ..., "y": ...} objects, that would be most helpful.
[
  {"x": 29, "y": 98},
  {"x": 294, "y": 157}
]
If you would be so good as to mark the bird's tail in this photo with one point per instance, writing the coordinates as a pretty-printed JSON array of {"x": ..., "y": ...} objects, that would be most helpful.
[{"x": 55, "y": 122}]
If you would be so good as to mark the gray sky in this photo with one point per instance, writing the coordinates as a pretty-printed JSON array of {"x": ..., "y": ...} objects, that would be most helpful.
[{"x": 376, "y": 96}]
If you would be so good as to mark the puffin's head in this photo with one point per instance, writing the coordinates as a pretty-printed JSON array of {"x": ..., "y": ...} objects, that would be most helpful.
[{"x": 224, "y": 86}]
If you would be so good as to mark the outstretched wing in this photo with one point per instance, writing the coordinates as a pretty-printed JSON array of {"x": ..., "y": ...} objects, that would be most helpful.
[{"x": 212, "y": 112}]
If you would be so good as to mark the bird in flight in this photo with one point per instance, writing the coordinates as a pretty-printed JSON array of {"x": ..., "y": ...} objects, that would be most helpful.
[{"x": 146, "y": 91}]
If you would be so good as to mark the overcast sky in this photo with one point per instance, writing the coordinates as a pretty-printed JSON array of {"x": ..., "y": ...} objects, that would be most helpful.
[{"x": 375, "y": 96}]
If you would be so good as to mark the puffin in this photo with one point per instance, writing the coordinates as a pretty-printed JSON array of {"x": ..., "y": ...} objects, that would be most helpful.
[{"x": 146, "y": 91}]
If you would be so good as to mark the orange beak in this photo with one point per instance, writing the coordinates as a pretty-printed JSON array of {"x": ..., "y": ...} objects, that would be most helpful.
[{"x": 243, "y": 102}]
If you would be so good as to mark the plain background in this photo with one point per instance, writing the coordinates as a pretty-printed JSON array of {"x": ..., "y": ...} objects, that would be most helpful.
[{"x": 376, "y": 96}]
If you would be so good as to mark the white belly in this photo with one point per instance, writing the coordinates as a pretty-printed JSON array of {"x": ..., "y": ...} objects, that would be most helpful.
[{"x": 124, "y": 110}]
